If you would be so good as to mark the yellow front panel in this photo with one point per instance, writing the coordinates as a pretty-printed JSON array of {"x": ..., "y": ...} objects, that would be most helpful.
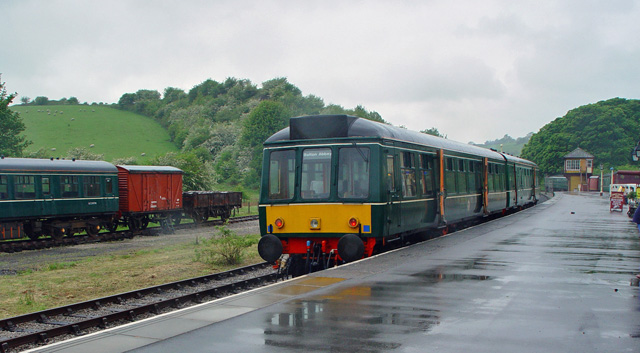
[{"x": 333, "y": 218}]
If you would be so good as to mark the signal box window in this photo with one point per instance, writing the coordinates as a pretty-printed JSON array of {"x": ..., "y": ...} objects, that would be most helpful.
[
  {"x": 353, "y": 173},
  {"x": 316, "y": 173},
  {"x": 4, "y": 188},
  {"x": 281, "y": 174},
  {"x": 407, "y": 163},
  {"x": 25, "y": 187},
  {"x": 91, "y": 186},
  {"x": 69, "y": 186}
]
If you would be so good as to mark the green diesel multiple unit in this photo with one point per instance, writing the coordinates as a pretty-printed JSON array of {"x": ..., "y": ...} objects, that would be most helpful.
[
  {"x": 55, "y": 197},
  {"x": 336, "y": 187}
]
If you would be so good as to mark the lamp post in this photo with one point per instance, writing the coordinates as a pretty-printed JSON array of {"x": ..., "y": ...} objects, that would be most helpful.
[
  {"x": 601, "y": 166},
  {"x": 611, "y": 183}
]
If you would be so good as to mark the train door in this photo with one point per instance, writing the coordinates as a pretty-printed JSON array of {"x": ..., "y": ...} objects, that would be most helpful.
[
  {"x": 442, "y": 221},
  {"x": 485, "y": 185},
  {"x": 48, "y": 206},
  {"x": 393, "y": 193}
]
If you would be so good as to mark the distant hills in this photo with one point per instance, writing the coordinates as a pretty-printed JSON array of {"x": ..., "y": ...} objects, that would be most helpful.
[{"x": 507, "y": 144}]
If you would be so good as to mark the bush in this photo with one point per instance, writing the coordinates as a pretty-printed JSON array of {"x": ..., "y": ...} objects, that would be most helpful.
[{"x": 227, "y": 248}]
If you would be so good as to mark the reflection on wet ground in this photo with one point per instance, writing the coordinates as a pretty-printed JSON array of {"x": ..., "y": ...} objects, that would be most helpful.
[{"x": 520, "y": 278}]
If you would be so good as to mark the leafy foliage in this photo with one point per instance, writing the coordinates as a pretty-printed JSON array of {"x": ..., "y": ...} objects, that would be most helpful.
[
  {"x": 225, "y": 249},
  {"x": 609, "y": 130},
  {"x": 433, "y": 131},
  {"x": 225, "y": 123},
  {"x": 11, "y": 126},
  {"x": 196, "y": 173}
]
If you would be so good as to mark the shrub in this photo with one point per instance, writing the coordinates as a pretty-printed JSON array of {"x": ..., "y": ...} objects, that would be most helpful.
[{"x": 226, "y": 248}]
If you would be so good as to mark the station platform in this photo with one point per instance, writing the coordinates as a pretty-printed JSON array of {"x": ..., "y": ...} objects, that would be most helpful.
[{"x": 553, "y": 278}]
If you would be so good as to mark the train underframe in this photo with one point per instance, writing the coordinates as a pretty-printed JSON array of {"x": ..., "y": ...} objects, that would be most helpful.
[{"x": 56, "y": 228}]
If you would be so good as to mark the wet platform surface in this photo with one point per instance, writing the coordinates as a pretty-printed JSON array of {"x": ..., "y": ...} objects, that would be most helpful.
[{"x": 553, "y": 278}]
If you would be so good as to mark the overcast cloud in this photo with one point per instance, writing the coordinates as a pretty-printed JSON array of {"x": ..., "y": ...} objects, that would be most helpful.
[{"x": 476, "y": 70}]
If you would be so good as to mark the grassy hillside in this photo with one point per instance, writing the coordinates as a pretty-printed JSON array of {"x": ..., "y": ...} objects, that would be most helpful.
[{"x": 114, "y": 133}]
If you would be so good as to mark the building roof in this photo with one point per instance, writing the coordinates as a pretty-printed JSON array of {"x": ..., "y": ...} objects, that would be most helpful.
[{"x": 578, "y": 153}]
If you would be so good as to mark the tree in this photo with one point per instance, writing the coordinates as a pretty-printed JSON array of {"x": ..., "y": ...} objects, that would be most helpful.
[
  {"x": 41, "y": 100},
  {"x": 172, "y": 94},
  {"x": 11, "y": 126},
  {"x": 25, "y": 100},
  {"x": 72, "y": 101},
  {"x": 266, "y": 119},
  {"x": 433, "y": 131},
  {"x": 196, "y": 175}
]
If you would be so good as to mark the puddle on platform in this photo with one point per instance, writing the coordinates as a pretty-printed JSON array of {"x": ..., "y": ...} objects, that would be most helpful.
[{"x": 367, "y": 318}]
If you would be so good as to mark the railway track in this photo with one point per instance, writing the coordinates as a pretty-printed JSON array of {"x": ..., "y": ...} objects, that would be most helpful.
[
  {"x": 45, "y": 327},
  {"x": 21, "y": 245}
]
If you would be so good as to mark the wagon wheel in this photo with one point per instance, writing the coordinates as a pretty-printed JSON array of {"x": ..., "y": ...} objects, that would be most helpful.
[
  {"x": 30, "y": 232},
  {"x": 112, "y": 226},
  {"x": 92, "y": 230},
  {"x": 144, "y": 223},
  {"x": 176, "y": 219},
  {"x": 225, "y": 215},
  {"x": 198, "y": 217},
  {"x": 57, "y": 234},
  {"x": 134, "y": 224}
]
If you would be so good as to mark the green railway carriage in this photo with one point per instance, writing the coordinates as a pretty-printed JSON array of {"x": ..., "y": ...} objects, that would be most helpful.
[
  {"x": 336, "y": 187},
  {"x": 56, "y": 197}
]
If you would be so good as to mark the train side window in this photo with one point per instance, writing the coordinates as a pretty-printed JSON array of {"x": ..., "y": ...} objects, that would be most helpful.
[
  {"x": 391, "y": 180},
  {"x": 281, "y": 174},
  {"x": 426, "y": 172},
  {"x": 25, "y": 187},
  {"x": 316, "y": 173},
  {"x": 471, "y": 176},
  {"x": 461, "y": 180},
  {"x": 46, "y": 186},
  {"x": 108, "y": 186},
  {"x": 408, "y": 174},
  {"x": 353, "y": 172},
  {"x": 490, "y": 177},
  {"x": 4, "y": 187},
  {"x": 450, "y": 176},
  {"x": 91, "y": 186},
  {"x": 69, "y": 186}
]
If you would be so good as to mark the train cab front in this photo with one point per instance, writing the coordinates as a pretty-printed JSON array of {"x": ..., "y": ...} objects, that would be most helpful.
[
  {"x": 317, "y": 193},
  {"x": 316, "y": 237}
]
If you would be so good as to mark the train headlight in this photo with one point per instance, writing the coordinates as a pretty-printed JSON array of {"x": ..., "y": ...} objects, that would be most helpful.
[
  {"x": 279, "y": 223},
  {"x": 353, "y": 222},
  {"x": 314, "y": 223}
]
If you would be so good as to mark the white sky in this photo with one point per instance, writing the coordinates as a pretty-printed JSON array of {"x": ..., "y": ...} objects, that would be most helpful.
[{"x": 476, "y": 70}]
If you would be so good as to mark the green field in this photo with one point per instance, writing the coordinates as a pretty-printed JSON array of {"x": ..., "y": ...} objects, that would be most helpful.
[{"x": 112, "y": 132}]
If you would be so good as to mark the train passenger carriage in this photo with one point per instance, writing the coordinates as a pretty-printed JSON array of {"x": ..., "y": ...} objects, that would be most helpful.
[
  {"x": 56, "y": 197},
  {"x": 336, "y": 187}
]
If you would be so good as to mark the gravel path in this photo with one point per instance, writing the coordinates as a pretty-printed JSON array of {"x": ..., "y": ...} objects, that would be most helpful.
[{"x": 12, "y": 263}]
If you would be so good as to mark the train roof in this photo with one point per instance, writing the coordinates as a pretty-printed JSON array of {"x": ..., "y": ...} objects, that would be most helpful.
[
  {"x": 17, "y": 165},
  {"x": 139, "y": 169},
  {"x": 346, "y": 126}
]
